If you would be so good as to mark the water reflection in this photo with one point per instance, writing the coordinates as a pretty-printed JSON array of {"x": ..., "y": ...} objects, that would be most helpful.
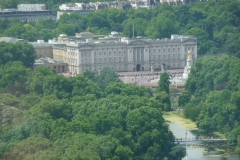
[{"x": 195, "y": 150}]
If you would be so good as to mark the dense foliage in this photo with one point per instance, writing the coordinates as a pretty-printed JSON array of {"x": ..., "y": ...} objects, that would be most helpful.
[
  {"x": 20, "y": 51},
  {"x": 44, "y": 115},
  {"x": 212, "y": 96},
  {"x": 215, "y": 24}
]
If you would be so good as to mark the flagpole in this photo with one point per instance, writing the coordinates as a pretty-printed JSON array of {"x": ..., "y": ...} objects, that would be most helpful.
[{"x": 133, "y": 29}]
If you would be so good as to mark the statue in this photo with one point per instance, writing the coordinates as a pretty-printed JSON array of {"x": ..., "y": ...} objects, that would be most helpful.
[
  {"x": 189, "y": 54},
  {"x": 162, "y": 68}
]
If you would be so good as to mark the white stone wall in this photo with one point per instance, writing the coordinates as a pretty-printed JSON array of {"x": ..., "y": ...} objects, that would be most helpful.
[
  {"x": 133, "y": 54},
  {"x": 31, "y": 7}
]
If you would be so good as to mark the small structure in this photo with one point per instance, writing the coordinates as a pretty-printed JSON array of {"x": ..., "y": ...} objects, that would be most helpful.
[
  {"x": 31, "y": 7},
  {"x": 58, "y": 66},
  {"x": 10, "y": 39}
]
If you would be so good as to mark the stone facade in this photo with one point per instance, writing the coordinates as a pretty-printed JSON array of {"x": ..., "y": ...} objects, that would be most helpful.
[
  {"x": 31, "y": 7},
  {"x": 58, "y": 66},
  {"x": 42, "y": 49},
  {"x": 128, "y": 54},
  {"x": 83, "y": 13},
  {"x": 60, "y": 52}
]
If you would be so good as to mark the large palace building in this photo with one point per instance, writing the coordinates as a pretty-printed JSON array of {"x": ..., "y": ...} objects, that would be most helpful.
[{"x": 86, "y": 51}]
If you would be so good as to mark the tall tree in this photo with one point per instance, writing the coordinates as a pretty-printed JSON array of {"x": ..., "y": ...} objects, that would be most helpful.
[
  {"x": 107, "y": 74},
  {"x": 163, "y": 83}
]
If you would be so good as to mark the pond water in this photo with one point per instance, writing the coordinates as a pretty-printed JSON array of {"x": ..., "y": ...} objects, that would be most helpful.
[{"x": 195, "y": 150}]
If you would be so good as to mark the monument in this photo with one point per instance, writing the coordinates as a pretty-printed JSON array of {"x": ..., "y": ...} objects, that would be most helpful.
[
  {"x": 188, "y": 66},
  {"x": 182, "y": 80}
]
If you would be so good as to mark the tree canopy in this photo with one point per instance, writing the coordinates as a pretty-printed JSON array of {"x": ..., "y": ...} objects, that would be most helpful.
[
  {"x": 44, "y": 115},
  {"x": 20, "y": 51},
  {"x": 212, "y": 96}
]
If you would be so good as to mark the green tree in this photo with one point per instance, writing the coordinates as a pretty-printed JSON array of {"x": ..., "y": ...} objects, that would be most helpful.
[
  {"x": 162, "y": 27},
  {"x": 20, "y": 51},
  {"x": 13, "y": 76},
  {"x": 184, "y": 98},
  {"x": 204, "y": 44},
  {"x": 68, "y": 29},
  {"x": 36, "y": 80},
  {"x": 163, "y": 99},
  {"x": 163, "y": 83},
  {"x": 107, "y": 74}
]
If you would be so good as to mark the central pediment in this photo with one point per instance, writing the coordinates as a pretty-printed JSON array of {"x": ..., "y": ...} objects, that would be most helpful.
[
  {"x": 138, "y": 42},
  {"x": 85, "y": 45}
]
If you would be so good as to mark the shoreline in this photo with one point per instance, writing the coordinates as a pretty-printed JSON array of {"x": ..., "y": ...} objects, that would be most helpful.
[{"x": 177, "y": 117}]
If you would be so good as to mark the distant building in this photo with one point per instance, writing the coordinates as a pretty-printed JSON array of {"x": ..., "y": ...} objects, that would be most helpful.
[
  {"x": 42, "y": 49},
  {"x": 10, "y": 39},
  {"x": 31, "y": 7},
  {"x": 85, "y": 8},
  {"x": 28, "y": 12},
  {"x": 58, "y": 66},
  {"x": 87, "y": 51}
]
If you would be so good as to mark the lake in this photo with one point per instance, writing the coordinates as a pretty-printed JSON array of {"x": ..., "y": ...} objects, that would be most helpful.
[{"x": 194, "y": 149}]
